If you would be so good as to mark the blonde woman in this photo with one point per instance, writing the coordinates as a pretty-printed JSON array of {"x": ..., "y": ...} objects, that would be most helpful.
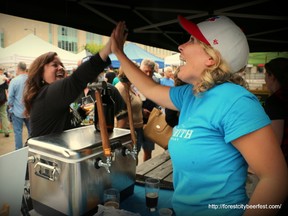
[{"x": 222, "y": 127}]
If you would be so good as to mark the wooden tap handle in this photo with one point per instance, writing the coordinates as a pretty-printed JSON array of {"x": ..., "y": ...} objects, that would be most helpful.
[
  {"x": 102, "y": 125},
  {"x": 130, "y": 115}
]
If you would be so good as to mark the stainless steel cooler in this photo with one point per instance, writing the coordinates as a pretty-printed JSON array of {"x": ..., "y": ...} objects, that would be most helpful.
[{"x": 64, "y": 172}]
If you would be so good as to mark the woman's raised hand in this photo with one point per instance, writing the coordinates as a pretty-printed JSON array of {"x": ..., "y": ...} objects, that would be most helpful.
[{"x": 118, "y": 37}]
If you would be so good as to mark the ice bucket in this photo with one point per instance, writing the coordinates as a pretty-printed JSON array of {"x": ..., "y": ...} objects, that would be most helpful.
[{"x": 65, "y": 178}]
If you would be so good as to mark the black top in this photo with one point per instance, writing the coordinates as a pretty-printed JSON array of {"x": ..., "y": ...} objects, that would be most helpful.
[
  {"x": 171, "y": 117},
  {"x": 50, "y": 111},
  {"x": 110, "y": 75},
  {"x": 149, "y": 105},
  {"x": 276, "y": 107},
  {"x": 3, "y": 88}
]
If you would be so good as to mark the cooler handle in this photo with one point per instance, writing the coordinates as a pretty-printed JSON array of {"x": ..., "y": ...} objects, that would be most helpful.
[{"x": 46, "y": 171}]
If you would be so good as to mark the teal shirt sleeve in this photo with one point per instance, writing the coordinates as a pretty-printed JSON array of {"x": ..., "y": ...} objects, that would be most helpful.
[
  {"x": 245, "y": 115},
  {"x": 176, "y": 94}
]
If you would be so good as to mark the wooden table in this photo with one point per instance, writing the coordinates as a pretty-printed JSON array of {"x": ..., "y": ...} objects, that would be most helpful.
[{"x": 157, "y": 167}]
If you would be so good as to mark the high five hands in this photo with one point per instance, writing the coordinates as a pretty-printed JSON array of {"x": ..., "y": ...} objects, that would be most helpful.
[
  {"x": 118, "y": 37},
  {"x": 116, "y": 41}
]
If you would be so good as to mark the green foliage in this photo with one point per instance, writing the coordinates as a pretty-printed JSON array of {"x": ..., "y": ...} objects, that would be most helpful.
[
  {"x": 264, "y": 57},
  {"x": 93, "y": 48}
]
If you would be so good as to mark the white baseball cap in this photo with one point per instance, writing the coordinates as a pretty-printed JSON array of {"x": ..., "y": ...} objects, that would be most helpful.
[{"x": 224, "y": 35}]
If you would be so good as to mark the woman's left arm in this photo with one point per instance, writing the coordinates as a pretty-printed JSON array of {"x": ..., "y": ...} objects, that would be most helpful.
[{"x": 263, "y": 154}]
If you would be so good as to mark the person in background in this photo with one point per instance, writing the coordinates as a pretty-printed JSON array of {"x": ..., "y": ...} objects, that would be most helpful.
[
  {"x": 172, "y": 116},
  {"x": 16, "y": 105},
  {"x": 156, "y": 76},
  {"x": 147, "y": 66},
  {"x": 222, "y": 126},
  {"x": 3, "y": 103},
  {"x": 167, "y": 80},
  {"x": 110, "y": 75},
  {"x": 120, "y": 105},
  {"x": 276, "y": 106},
  {"x": 116, "y": 79},
  {"x": 136, "y": 106},
  {"x": 47, "y": 100}
]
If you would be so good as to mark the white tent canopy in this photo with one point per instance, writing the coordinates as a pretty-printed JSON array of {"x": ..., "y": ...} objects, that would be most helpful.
[
  {"x": 30, "y": 47},
  {"x": 84, "y": 53},
  {"x": 172, "y": 60}
]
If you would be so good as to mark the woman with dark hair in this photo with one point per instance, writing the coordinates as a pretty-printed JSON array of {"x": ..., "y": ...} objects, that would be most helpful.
[
  {"x": 276, "y": 105},
  {"x": 47, "y": 100}
]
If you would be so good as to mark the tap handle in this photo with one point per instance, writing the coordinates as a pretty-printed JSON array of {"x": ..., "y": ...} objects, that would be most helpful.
[{"x": 99, "y": 163}]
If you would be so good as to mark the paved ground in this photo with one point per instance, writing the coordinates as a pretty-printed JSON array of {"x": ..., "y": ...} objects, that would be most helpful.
[{"x": 7, "y": 145}]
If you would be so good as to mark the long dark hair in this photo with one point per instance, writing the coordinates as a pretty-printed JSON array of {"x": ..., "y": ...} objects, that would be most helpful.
[
  {"x": 279, "y": 68},
  {"x": 35, "y": 79}
]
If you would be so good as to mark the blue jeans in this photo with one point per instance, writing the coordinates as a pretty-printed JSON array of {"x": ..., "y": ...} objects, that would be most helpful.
[
  {"x": 18, "y": 128},
  {"x": 143, "y": 142}
]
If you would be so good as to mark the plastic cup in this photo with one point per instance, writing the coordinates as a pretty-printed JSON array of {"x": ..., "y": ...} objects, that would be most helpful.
[
  {"x": 112, "y": 198},
  {"x": 151, "y": 193},
  {"x": 165, "y": 212}
]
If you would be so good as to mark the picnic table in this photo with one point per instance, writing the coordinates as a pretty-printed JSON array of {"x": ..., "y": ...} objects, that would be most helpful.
[{"x": 157, "y": 167}]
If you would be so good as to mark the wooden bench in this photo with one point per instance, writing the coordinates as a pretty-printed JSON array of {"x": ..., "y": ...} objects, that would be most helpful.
[{"x": 157, "y": 167}]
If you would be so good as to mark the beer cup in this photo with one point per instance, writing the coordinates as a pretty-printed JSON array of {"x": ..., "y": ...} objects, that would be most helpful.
[
  {"x": 152, "y": 193},
  {"x": 165, "y": 212},
  {"x": 112, "y": 198}
]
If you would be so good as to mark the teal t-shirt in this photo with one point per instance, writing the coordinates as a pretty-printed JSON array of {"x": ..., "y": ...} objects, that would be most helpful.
[{"x": 209, "y": 173}]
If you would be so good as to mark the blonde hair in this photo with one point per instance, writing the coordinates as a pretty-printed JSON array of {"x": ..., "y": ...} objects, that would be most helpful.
[
  {"x": 177, "y": 81},
  {"x": 217, "y": 74}
]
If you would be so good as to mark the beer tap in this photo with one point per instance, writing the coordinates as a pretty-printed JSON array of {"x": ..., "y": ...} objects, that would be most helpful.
[
  {"x": 104, "y": 133},
  {"x": 105, "y": 165},
  {"x": 95, "y": 86},
  {"x": 132, "y": 152}
]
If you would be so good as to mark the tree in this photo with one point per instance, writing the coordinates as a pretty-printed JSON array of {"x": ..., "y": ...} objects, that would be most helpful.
[{"x": 93, "y": 48}]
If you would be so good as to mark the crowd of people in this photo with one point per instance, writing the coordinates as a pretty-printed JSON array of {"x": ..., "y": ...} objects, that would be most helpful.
[
  {"x": 12, "y": 107},
  {"x": 221, "y": 131}
]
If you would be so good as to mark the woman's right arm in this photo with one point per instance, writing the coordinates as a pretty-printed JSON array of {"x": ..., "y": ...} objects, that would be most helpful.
[{"x": 152, "y": 90}]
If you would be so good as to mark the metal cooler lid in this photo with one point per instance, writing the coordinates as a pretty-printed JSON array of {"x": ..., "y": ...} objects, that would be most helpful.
[{"x": 71, "y": 142}]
